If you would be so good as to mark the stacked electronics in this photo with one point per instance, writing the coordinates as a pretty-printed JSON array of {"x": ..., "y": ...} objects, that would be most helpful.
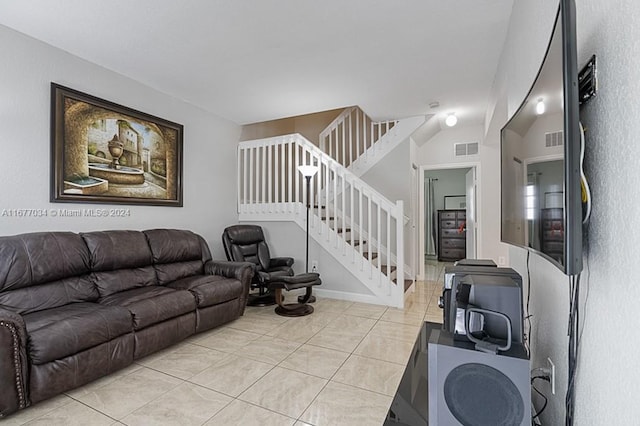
[{"x": 478, "y": 367}]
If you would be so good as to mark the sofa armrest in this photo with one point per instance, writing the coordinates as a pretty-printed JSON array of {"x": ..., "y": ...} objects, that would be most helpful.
[
  {"x": 229, "y": 269},
  {"x": 13, "y": 363},
  {"x": 242, "y": 271}
]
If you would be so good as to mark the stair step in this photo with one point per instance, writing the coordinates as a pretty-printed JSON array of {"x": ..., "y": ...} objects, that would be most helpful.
[
  {"x": 356, "y": 243},
  {"x": 407, "y": 283},
  {"x": 345, "y": 230},
  {"x": 374, "y": 255},
  {"x": 383, "y": 268}
]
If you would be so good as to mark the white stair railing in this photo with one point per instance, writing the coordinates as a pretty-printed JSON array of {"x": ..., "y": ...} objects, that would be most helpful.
[
  {"x": 352, "y": 134},
  {"x": 361, "y": 228}
]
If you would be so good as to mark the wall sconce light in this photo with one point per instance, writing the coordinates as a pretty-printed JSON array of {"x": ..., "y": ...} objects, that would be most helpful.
[
  {"x": 451, "y": 119},
  {"x": 540, "y": 107}
]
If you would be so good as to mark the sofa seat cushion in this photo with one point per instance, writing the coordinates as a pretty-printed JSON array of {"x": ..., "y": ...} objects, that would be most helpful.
[
  {"x": 153, "y": 304},
  {"x": 66, "y": 330},
  {"x": 210, "y": 290}
]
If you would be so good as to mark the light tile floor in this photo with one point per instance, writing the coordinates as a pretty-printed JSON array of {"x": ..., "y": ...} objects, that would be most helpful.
[{"x": 339, "y": 366}]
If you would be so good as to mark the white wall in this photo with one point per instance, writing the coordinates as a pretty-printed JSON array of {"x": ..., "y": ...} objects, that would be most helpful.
[
  {"x": 450, "y": 182},
  {"x": 439, "y": 151},
  {"x": 27, "y": 69},
  {"x": 608, "y": 377},
  {"x": 391, "y": 177},
  {"x": 608, "y": 362}
]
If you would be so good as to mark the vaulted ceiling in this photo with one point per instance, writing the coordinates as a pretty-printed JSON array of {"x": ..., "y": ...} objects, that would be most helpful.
[{"x": 251, "y": 61}]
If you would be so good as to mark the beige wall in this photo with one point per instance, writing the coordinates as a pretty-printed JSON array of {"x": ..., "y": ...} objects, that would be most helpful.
[{"x": 308, "y": 125}]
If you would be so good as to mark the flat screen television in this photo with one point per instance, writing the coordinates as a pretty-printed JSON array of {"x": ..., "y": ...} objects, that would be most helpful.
[{"x": 541, "y": 208}]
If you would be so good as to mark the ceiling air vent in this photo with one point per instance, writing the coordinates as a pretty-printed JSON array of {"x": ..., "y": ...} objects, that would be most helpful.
[
  {"x": 553, "y": 139},
  {"x": 461, "y": 149}
]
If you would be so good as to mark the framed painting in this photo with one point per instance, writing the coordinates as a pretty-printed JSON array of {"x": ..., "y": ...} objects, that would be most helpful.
[
  {"x": 102, "y": 152},
  {"x": 455, "y": 202}
]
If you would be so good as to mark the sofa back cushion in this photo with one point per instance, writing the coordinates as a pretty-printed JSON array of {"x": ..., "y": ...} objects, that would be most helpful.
[
  {"x": 120, "y": 260},
  {"x": 177, "y": 253},
  {"x": 44, "y": 270}
]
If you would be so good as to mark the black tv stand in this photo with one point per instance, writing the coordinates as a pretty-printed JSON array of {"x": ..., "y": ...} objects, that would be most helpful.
[{"x": 410, "y": 405}]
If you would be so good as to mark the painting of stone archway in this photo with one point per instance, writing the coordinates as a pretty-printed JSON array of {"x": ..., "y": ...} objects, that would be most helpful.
[{"x": 103, "y": 152}]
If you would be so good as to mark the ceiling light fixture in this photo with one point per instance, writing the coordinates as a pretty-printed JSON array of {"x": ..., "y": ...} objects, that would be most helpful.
[
  {"x": 451, "y": 119},
  {"x": 540, "y": 107}
]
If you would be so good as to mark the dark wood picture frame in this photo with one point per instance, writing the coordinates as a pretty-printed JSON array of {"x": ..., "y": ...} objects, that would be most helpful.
[{"x": 102, "y": 152}]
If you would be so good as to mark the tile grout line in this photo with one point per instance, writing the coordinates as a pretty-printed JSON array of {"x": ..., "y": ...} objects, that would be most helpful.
[{"x": 333, "y": 375}]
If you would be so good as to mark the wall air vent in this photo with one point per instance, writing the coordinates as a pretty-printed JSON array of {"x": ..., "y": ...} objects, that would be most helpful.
[
  {"x": 553, "y": 139},
  {"x": 462, "y": 149}
]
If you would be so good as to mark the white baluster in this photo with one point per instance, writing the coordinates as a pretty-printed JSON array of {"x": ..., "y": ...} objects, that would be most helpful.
[
  {"x": 344, "y": 219},
  {"x": 379, "y": 220},
  {"x": 263, "y": 177},
  {"x": 400, "y": 253},
  {"x": 358, "y": 133},
  {"x": 360, "y": 206},
  {"x": 290, "y": 168},
  {"x": 251, "y": 201},
  {"x": 389, "y": 263},
  {"x": 331, "y": 142},
  {"x": 344, "y": 146},
  {"x": 354, "y": 151},
  {"x": 270, "y": 177},
  {"x": 336, "y": 208},
  {"x": 326, "y": 198},
  {"x": 371, "y": 138},
  {"x": 370, "y": 236},
  {"x": 240, "y": 178},
  {"x": 283, "y": 175}
]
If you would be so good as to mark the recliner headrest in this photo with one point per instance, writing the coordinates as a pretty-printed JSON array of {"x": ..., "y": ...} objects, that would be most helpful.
[{"x": 244, "y": 234}]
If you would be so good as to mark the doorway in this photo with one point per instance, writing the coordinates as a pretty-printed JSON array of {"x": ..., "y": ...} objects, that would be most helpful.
[{"x": 451, "y": 189}]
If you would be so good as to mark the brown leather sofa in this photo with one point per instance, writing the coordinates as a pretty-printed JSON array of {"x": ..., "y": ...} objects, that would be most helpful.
[{"x": 76, "y": 307}]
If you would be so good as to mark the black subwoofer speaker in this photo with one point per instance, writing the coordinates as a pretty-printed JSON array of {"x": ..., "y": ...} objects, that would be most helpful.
[{"x": 472, "y": 388}]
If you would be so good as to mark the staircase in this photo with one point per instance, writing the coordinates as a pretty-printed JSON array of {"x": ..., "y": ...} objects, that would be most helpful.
[
  {"x": 358, "y": 143},
  {"x": 361, "y": 229}
]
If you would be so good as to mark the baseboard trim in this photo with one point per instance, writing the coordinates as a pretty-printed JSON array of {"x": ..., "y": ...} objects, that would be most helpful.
[{"x": 350, "y": 297}]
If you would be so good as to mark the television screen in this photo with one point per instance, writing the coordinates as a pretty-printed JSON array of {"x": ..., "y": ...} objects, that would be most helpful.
[{"x": 540, "y": 150}]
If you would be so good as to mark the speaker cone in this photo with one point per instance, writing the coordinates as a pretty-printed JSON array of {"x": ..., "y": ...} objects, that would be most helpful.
[{"x": 479, "y": 395}]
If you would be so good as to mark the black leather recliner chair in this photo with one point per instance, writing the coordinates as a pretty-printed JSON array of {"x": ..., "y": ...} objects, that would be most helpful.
[{"x": 246, "y": 243}]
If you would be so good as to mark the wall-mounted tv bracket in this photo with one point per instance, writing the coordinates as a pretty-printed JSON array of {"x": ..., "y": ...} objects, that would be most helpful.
[{"x": 587, "y": 81}]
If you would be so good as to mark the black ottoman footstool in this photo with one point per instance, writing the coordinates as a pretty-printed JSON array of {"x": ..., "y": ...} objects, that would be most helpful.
[{"x": 307, "y": 281}]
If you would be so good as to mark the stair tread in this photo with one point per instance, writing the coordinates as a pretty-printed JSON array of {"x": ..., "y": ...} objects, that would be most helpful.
[
  {"x": 341, "y": 230},
  {"x": 407, "y": 283},
  {"x": 383, "y": 268},
  {"x": 374, "y": 255}
]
